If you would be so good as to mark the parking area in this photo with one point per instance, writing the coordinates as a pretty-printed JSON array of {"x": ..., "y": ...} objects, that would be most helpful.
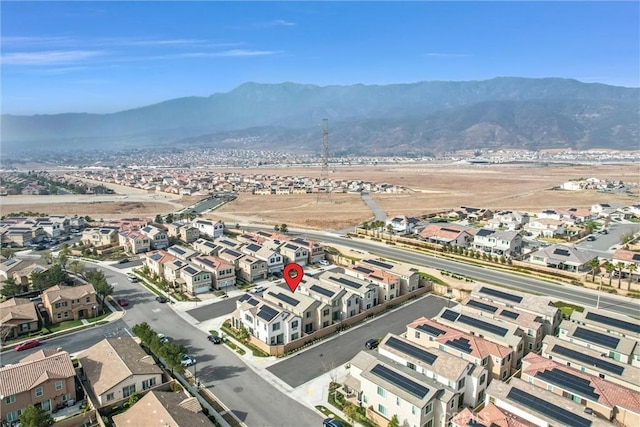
[{"x": 334, "y": 352}]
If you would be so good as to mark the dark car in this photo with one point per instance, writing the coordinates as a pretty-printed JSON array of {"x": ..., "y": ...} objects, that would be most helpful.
[
  {"x": 27, "y": 345},
  {"x": 591, "y": 238},
  {"x": 162, "y": 300},
  {"x": 123, "y": 303},
  {"x": 371, "y": 344},
  {"x": 330, "y": 422},
  {"x": 123, "y": 261},
  {"x": 215, "y": 339}
]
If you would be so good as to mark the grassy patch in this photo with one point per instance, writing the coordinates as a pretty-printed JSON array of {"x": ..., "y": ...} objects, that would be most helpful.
[
  {"x": 106, "y": 314},
  {"x": 432, "y": 278},
  {"x": 68, "y": 324},
  {"x": 234, "y": 347},
  {"x": 213, "y": 332},
  {"x": 567, "y": 309},
  {"x": 330, "y": 414}
]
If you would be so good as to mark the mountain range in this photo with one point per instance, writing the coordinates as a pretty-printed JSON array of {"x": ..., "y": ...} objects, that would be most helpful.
[{"x": 397, "y": 119}]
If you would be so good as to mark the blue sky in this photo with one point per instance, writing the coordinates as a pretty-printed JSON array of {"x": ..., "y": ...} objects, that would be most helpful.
[{"x": 109, "y": 56}]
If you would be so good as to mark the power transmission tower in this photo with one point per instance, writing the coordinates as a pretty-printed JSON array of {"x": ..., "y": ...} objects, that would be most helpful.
[{"x": 324, "y": 174}]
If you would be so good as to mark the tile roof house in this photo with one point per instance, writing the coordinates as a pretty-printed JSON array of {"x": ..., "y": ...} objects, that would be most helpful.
[
  {"x": 158, "y": 238},
  {"x": 18, "y": 316},
  {"x": 562, "y": 257},
  {"x": 156, "y": 261},
  {"x": 134, "y": 242},
  {"x": 446, "y": 234},
  {"x": 490, "y": 415},
  {"x": 70, "y": 302},
  {"x": 223, "y": 273},
  {"x": 45, "y": 379},
  {"x": 115, "y": 368},
  {"x": 162, "y": 408}
]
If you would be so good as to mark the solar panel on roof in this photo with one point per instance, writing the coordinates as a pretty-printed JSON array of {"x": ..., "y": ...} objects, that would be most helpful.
[
  {"x": 482, "y": 306},
  {"x": 431, "y": 330},
  {"x": 616, "y": 323},
  {"x": 597, "y": 337},
  {"x": 285, "y": 298},
  {"x": 588, "y": 360},
  {"x": 411, "y": 350},
  {"x": 400, "y": 381},
  {"x": 549, "y": 409},
  {"x": 450, "y": 315},
  {"x": 254, "y": 248},
  {"x": 289, "y": 246},
  {"x": 376, "y": 277},
  {"x": 486, "y": 326},
  {"x": 156, "y": 257},
  {"x": 499, "y": 294},
  {"x": 346, "y": 282},
  {"x": 461, "y": 344},
  {"x": 569, "y": 382},
  {"x": 378, "y": 263},
  {"x": 267, "y": 313},
  {"x": 636, "y": 257},
  {"x": 253, "y": 302},
  {"x": 244, "y": 297},
  {"x": 561, "y": 252},
  {"x": 190, "y": 270},
  {"x": 233, "y": 253},
  {"x": 484, "y": 232},
  {"x": 178, "y": 250},
  {"x": 363, "y": 270},
  {"x": 510, "y": 314},
  {"x": 322, "y": 291}
]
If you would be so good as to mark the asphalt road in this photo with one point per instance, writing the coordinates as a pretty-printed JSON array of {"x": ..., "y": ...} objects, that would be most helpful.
[
  {"x": 205, "y": 205},
  {"x": 378, "y": 212},
  {"x": 604, "y": 242},
  {"x": 330, "y": 354},
  {"x": 214, "y": 310},
  {"x": 558, "y": 290}
]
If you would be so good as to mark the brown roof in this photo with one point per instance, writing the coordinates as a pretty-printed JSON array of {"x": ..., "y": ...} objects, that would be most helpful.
[
  {"x": 611, "y": 394},
  {"x": 490, "y": 415},
  {"x": 625, "y": 255},
  {"x": 16, "y": 311},
  {"x": 58, "y": 292},
  {"x": 162, "y": 408},
  {"x": 113, "y": 360},
  {"x": 33, "y": 371}
]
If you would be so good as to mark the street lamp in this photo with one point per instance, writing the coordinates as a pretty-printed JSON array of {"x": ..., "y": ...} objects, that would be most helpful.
[
  {"x": 94, "y": 313},
  {"x": 195, "y": 378}
]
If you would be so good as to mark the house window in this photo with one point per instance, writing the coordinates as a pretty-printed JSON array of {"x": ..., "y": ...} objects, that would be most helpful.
[
  {"x": 294, "y": 324},
  {"x": 25, "y": 326},
  {"x": 364, "y": 398},
  {"x": 109, "y": 396},
  {"x": 549, "y": 387},
  {"x": 128, "y": 390},
  {"x": 460, "y": 384},
  {"x": 276, "y": 326},
  {"x": 429, "y": 423},
  {"x": 146, "y": 384},
  {"x": 417, "y": 334},
  {"x": 10, "y": 399},
  {"x": 382, "y": 392},
  {"x": 413, "y": 410},
  {"x": 325, "y": 312},
  {"x": 308, "y": 314},
  {"x": 453, "y": 403},
  {"x": 382, "y": 409},
  {"x": 411, "y": 366},
  {"x": 294, "y": 336},
  {"x": 428, "y": 408},
  {"x": 13, "y": 416},
  {"x": 397, "y": 401},
  {"x": 88, "y": 299},
  {"x": 58, "y": 385},
  {"x": 39, "y": 392}
]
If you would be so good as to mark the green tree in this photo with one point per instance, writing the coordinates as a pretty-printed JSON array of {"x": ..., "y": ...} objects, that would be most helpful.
[
  {"x": 170, "y": 218},
  {"x": 620, "y": 266},
  {"x": 8, "y": 253},
  {"x": 158, "y": 219},
  {"x": 56, "y": 275},
  {"x": 172, "y": 354},
  {"x": 594, "y": 264},
  {"x": 631, "y": 267},
  {"x": 144, "y": 332},
  {"x": 350, "y": 410},
  {"x": 243, "y": 334},
  {"x": 99, "y": 282},
  {"x": 47, "y": 257},
  {"x": 389, "y": 228},
  {"x": 39, "y": 280},
  {"x": 35, "y": 417},
  {"x": 76, "y": 266},
  {"x": 276, "y": 227},
  {"x": 610, "y": 268},
  {"x": 394, "y": 422},
  {"x": 283, "y": 228},
  {"x": 133, "y": 398},
  {"x": 63, "y": 257},
  {"x": 10, "y": 287}
]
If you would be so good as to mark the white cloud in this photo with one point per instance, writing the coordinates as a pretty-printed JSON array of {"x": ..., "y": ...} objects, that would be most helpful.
[{"x": 48, "y": 57}]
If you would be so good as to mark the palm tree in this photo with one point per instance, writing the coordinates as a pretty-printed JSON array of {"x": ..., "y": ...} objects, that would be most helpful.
[
  {"x": 594, "y": 263},
  {"x": 610, "y": 268},
  {"x": 620, "y": 266},
  {"x": 631, "y": 267}
]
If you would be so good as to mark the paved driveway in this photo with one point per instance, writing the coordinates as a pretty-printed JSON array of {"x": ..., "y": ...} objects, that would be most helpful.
[
  {"x": 332, "y": 353},
  {"x": 212, "y": 311}
]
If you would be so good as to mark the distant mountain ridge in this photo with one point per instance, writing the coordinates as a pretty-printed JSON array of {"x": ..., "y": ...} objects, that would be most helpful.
[{"x": 414, "y": 118}]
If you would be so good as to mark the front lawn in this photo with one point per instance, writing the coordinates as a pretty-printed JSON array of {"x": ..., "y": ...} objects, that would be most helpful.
[{"x": 67, "y": 324}]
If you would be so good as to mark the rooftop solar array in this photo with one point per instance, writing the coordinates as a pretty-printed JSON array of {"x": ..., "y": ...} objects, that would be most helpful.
[
  {"x": 322, "y": 291},
  {"x": 450, "y": 315},
  {"x": 431, "y": 330},
  {"x": 412, "y": 350},
  {"x": 177, "y": 249},
  {"x": 588, "y": 360},
  {"x": 190, "y": 270},
  {"x": 461, "y": 344},
  {"x": 233, "y": 253},
  {"x": 244, "y": 297},
  {"x": 301, "y": 241},
  {"x": 482, "y": 306},
  {"x": 489, "y": 327},
  {"x": 290, "y": 246},
  {"x": 346, "y": 282},
  {"x": 510, "y": 314},
  {"x": 267, "y": 313},
  {"x": 636, "y": 257},
  {"x": 499, "y": 294},
  {"x": 569, "y": 382},
  {"x": 379, "y": 264},
  {"x": 484, "y": 232},
  {"x": 156, "y": 257},
  {"x": 228, "y": 243},
  {"x": 253, "y": 302},
  {"x": 253, "y": 247},
  {"x": 285, "y": 298},
  {"x": 400, "y": 381},
  {"x": 596, "y": 337},
  {"x": 541, "y": 406},
  {"x": 561, "y": 252},
  {"x": 616, "y": 323},
  {"x": 363, "y": 270}
]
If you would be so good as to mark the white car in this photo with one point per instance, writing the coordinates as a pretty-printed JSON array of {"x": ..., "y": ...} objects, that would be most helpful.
[
  {"x": 324, "y": 262},
  {"x": 187, "y": 360},
  {"x": 258, "y": 289}
]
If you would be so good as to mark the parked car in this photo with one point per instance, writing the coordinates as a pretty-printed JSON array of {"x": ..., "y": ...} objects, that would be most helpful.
[
  {"x": 163, "y": 338},
  {"x": 324, "y": 262},
  {"x": 123, "y": 261},
  {"x": 330, "y": 422},
  {"x": 123, "y": 302},
  {"x": 132, "y": 279},
  {"x": 162, "y": 300},
  {"x": 187, "y": 360},
  {"x": 371, "y": 344},
  {"x": 215, "y": 339},
  {"x": 258, "y": 289},
  {"x": 27, "y": 345},
  {"x": 591, "y": 238}
]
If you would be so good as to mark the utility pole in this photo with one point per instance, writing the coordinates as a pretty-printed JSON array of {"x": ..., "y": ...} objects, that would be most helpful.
[{"x": 324, "y": 174}]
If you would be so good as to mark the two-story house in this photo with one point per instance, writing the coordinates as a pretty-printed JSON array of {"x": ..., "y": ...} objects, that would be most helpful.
[
  {"x": 275, "y": 261},
  {"x": 100, "y": 237},
  {"x": 44, "y": 379},
  {"x": 293, "y": 253},
  {"x": 194, "y": 280},
  {"x": 409, "y": 276},
  {"x": 402, "y": 224},
  {"x": 70, "y": 302},
  {"x": 499, "y": 243},
  {"x": 206, "y": 247},
  {"x": 315, "y": 250},
  {"x": 251, "y": 269},
  {"x": 184, "y": 232},
  {"x": 163, "y": 408},
  {"x": 209, "y": 228},
  {"x": 134, "y": 242},
  {"x": 344, "y": 304},
  {"x": 156, "y": 260},
  {"x": 387, "y": 284},
  {"x": 158, "y": 238},
  {"x": 367, "y": 293},
  {"x": 223, "y": 273},
  {"x": 18, "y": 316},
  {"x": 314, "y": 314},
  {"x": 266, "y": 321},
  {"x": 182, "y": 252}
]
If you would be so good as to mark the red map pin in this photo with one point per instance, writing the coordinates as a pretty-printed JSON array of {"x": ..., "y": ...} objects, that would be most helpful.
[{"x": 293, "y": 274}]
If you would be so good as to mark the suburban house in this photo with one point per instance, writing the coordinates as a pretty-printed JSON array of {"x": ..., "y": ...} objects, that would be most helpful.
[
  {"x": 569, "y": 258},
  {"x": 621, "y": 349},
  {"x": 606, "y": 399},
  {"x": 184, "y": 232},
  {"x": 538, "y": 406},
  {"x": 70, "y": 302},
  {"x": 508, "y": 220},
  {"x": 266, "y": 321},
  {"x": 182, "y": 252},
  {"x": 9, "y": 266},
  {"x": 134, "y": 242},
  {"x": 163, "y": 408},
  {"x": 366, "y": 292},
  {"x": 495, "y": 358},
  {"x": 223, "y": 273},
  {"x": 275, "y": 261},
  {"x": 344, "y": 304},
  {"x": 387, "y": 284},
  {"x": 209, "y": 228},
  {"x": 475, "y": 214},
  {"x": 631, "y": 261},
  {"x": 231, "y": 256},
  {"x": 23, "y": 276},
  {"x": 314, "y": 314},
  {"x": 315, "y": 250},
  {"x": 229, "y": 243},
  {"x": 18, "y": 236},
  {"x": 409, "y": 276},
  {"x": 156, "y": 260},
  {"x": 545, "y": 227},
  {"x": 489, "y": 415},
  {"x": 610, "y": 323},
  {"x": 206, "y": 247},
  {"x": 18, "y": 316},
  {"x": 448, "y": 370},
  {"x": 294, "y": 253},
  {"x": 158, "y": 238},
  {"x": 172, "y": 270},
  {"x": 51, "y": 229},
  {"x": 115, "y": 368},
  {"x": 44, "y": 379},
  {"x": 446, "y": 234},
  {"x": 100, "y": 237},
  {"x": 251, "y": 269},
  {"x": 194, "y": 280},
  {"x": 495, "y": 242},
  {"x": 402, "y": 224}
]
